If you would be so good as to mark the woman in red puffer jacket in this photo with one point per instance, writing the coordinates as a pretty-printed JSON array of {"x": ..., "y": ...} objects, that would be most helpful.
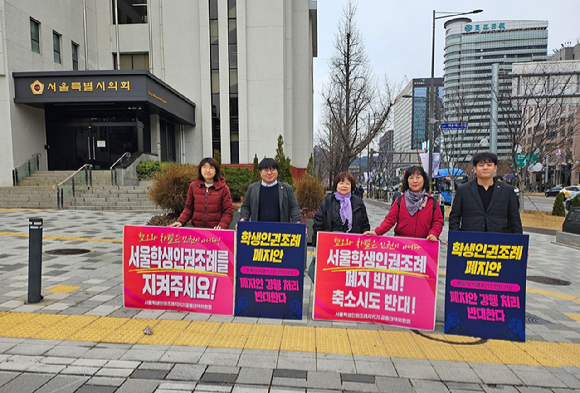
[
  {"x": 209, "y": 202},
  {"x": 415, "y": 213}
]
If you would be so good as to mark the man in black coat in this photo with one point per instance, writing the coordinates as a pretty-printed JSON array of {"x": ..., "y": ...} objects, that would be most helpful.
[{"x": 485, "y": 205}]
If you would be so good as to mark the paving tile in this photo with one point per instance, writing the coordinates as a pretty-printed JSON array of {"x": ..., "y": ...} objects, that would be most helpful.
[
  {"x": 254, "y": 376},
  {"x": 181, "y": 357},
  {"x": 259, "y": 361},
  {"x": 499, "y": 389},
  {"x": 384, "y": 368},
  {"x": 63, "y": 384},
  {"x": 343, "y": 366},
  {"x": 148, "y": 374},
  {"x": 207, "y": 388},
  {"x": 462, "y": 386},
  {"x": 399, "y": 385},
  {"x": 324, "y": 380},
  {"x": 359, "y": 378},
  {"x": 96, "y": 389},
  {"x": 26, "y": 383},
  {"x": 106, "y": 381},
  {"x": 563, "y": 375},
  {"x": 222, "y": 370},
  {"x": 422, "y": 386},
  {"x": 218, "y": 378},
  {"x": 186, "y": 372},
  {"x": 250, "y": 389},
  {"x": 179, "y": 386},
  {"x": 415, "y": 369},
  {"x": 537, "y": 376},
  {"x": 495, "y": 374},
  {"x": 297, "y": 363},
  {"x": 455, "y": 372},
  {"x": 289, "y": 382},
  {"x": 283, "y": 373}
]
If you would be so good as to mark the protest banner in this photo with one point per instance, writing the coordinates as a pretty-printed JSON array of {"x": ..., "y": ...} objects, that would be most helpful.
[
  {"x": 485, "y": 290},
  {"x": 270, "y": 270},
  {"x": 390, "y": 280},
  {"x": 187, "y": 269}
]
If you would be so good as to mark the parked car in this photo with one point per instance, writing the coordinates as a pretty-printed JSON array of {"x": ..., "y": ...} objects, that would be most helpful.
[
  {"x": 570, "y": 191},
  {"x": 553, "y": 191}
]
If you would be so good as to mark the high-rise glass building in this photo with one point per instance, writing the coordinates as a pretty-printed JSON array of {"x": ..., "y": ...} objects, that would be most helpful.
[{"x": 470, "y": 50}]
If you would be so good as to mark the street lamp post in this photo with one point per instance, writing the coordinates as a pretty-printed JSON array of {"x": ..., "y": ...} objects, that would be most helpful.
[{"x": 432, "y": 121}]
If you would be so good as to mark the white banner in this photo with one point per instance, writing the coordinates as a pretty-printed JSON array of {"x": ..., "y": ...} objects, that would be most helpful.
[{"x": 436, "y": 162}]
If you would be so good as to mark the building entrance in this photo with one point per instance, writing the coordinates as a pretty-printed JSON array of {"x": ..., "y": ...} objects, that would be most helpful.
[{"x": 75, "y": 138}]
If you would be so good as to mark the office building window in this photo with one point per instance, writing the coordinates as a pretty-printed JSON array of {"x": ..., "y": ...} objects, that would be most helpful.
[
  {"x": 215, "y": 79},
  {"x": 56, "y": 47},
  {"x": 137, "y": 61},
  {"x": 130, "y": 11},
  {"x": 35, "y": 36},
  {"x": 75, "y": 56},
  {"x": 233, "y": 63}
]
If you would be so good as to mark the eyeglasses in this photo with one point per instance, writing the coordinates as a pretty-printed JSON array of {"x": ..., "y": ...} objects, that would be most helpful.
[
  {"x": 207, "y": 168},
  {"x": 269, "y": 170}
]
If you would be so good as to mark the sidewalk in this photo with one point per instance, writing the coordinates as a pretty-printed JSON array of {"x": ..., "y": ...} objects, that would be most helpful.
[{"x": 80, "y": 338}]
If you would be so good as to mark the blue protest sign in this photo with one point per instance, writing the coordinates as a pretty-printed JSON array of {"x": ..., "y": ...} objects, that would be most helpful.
[
  {"x": 270, "y": 270},
  {"x": 485, "y": 285}
]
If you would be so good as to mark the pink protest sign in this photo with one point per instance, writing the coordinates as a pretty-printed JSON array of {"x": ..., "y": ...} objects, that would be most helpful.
[
  {"x": 390, "y": 280},
  {"x": 187, "y": 269}
]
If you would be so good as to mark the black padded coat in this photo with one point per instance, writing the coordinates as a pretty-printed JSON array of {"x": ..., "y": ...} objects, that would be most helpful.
[
  {"x": 323, "y": 216},
  {"x": 502, "y": 214}
]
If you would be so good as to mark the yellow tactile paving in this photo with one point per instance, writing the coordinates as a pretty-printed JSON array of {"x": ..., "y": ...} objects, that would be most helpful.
[
  {"x": 366, "y": 342},
  {"x": 553, "y": 294},
  {"x": 401, "y": 345},
  {"x": 332, "y": 340},
  {"x": 569, "y": 352},
  {"x": 298, "y": 339},
  {"x": 265, "y": 337},
  {"x": 509, "y": 353},
  {"x": 35, "y": 326},
  {"x": 165, "y": 332},
  {"x": 99, "y": 329},
  {"x": 131, "y": 332},
  {"x": 10, "y": 319},
  {"x": 198, "y": 334},
  {"x": 65, "y": 328},
  {"x": 540, "y": 352},
  {"x": 63, "y": 289},
  {"x": 575, "y": 317},
  {"x": 231, "y": 335},
  {"x": 437, "y": 350}
]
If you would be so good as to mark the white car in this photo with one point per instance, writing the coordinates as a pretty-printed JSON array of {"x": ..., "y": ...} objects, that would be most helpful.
[{"x": 570, "y": 191}]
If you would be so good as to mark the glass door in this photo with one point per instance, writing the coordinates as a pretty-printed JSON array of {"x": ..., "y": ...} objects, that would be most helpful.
[{"x": 92, "y": 146}]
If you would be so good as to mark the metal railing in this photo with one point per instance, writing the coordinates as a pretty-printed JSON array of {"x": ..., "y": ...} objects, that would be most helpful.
[
  {"x": 67, "y": 188},
  {"x": 26, "y": 168},
  {"x": 113, "y": 171}
]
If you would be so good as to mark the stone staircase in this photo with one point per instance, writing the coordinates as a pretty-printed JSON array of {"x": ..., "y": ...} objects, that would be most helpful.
[{"x": 37, "y": 192}]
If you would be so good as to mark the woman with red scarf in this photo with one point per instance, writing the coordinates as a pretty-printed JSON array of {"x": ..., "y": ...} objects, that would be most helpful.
[
  {"x": 209, "y": 202},
  {"x": 415, "y": 213}
]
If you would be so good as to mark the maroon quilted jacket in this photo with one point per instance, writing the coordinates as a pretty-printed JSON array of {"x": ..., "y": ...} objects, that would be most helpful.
[{"x": 208, "y": 207}]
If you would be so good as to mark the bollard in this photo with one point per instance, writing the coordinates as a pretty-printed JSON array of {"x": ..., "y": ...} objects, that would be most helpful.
[{"x": 34, "y": 259}]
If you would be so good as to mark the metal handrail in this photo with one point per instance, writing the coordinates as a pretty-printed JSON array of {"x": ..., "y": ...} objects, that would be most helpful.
[
  {"x": 60, "y": 189},
  {"x": 112, "y": 168},
  {"x": 15, "y": 177}
]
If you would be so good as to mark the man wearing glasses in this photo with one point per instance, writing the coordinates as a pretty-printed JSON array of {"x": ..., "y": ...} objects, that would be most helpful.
[{"x": 270, "y": 200}]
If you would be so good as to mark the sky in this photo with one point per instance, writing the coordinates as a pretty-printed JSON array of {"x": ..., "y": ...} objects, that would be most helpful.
[{"x": 397, "y": 33}]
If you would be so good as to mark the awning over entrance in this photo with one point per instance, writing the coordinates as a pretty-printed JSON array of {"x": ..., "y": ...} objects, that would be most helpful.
[{"x": 110, "y": 86}]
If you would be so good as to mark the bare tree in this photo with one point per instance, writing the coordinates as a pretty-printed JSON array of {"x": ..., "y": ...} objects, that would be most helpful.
[
  {"x": 355, "y": 109},
  {"x": 540, "y": 116}
]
